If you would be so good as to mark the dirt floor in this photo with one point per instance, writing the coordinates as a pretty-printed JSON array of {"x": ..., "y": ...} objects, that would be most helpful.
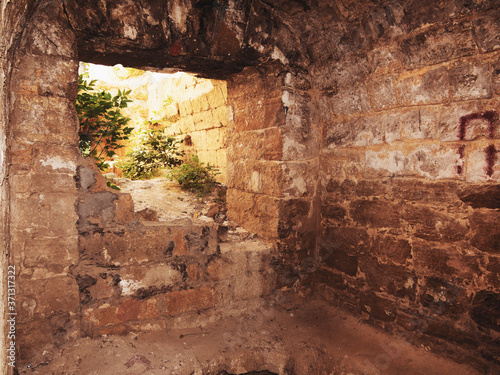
[
  {"x": 284, "y": 335},
  {"x": 310, "y": 338}
]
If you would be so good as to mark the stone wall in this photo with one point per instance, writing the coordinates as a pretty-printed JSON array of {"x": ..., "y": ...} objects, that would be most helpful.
[
  {"x": 43, "y": 157},
  {"x": 409, "y": 167},
  {"x": 201, "y": 117},
  {"x": 150, "y": 275},
  {"x": 255, "y": 151}
]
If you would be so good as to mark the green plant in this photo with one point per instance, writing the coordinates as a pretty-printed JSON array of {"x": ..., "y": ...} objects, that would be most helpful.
[
  {"x": 195, "y": 176},
  {"x": 155, "y": 150},
  {"x": 102, "y": 125}
]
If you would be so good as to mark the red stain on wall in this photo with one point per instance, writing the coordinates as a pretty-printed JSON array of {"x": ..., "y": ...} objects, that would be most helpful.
[
  {"x": 490, "y": 116},
  {"x": 491, "y": 153},
  {"x": 491, "y": 158}
]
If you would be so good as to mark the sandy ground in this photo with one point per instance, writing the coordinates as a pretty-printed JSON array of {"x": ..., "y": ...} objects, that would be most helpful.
[
  {"x": 283, "y": 335},
  {"x": 162, "y": 195}
]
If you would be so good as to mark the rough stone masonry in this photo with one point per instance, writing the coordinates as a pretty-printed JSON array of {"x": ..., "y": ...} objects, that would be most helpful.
[{"x": 363, "y": 146}]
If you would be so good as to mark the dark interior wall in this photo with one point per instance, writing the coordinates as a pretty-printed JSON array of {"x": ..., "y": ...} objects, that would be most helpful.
[{"x": 409, "y": 172}]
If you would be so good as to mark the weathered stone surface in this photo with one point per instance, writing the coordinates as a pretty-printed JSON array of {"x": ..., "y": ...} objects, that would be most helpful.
[
  {"x": 256, "y": 145},
  {"x": 423, "y": 191},
  {"x": 382, "y": 93},
  {"x": 496, "y": 78},
  {"x": 339, "y": 260},
  {"x": 437, "y": 45},
  {"x": 487, "y": 30},
  {"x": 434, "y": 226},
  {"x": 392, "y": 248},
  {"x": 376, "y": 213},
  {"x": 52, "y": 120},
  {"x": 451, "y": 262},
  {"x": 348, "y": 239},
  {"x": 388, "y": 277},
  {"x": 469, "y": 82},
  {"x": 378, "y": 308},
  {"x": 332, "y": 211},
  {"x": 257, "y": 213},
  {"x": 486, "y": 309},
  {"x": 176, "y": 303},
  {"x": 443, "y": 297},
  {"x": 431, "y": 87},
  {"x": 481, "y": 196},
  {"x": 300, "y": 179},
  {"x": 486, "y": 231},
  {"x": 43, "y": 298}
]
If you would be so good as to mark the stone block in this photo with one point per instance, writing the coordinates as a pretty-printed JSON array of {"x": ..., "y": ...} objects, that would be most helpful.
[
  {"x": 263, "y": 177},
  {"x": 486, "y": 231},
  {"x": 411, "y": 189},
  {"x": 341, "y": 261},
  {"x": 355, "y": 132},
  {"x": 124, "y": 209},
  {"x": 327, "y": 277},
  {"x": 437, "y": 45},
  {"x": 53, "y": 182},
  {"x": 21, "y": 160},
  {"x": 433, "y": 225},
  {"x": 482, "y": 162},
  {"x": 176, "y": 303},
  {"x": 203, "y": 121},
  {"x": 147, "y": 241},
  {"x": 49, "y": 120},
  {"x": 216, "y": 98},
  {"x": 478, "y": 196},
  {"x": 384, "y": 59},
  {"x": 376, "y": 213},
  {"x": 30, "y": 76},
  {"x": 485, "y": 309},
  {"x": 389, "y": 278},
  {"x": 300, "y": 179},
  {"x": 428, "y": 87},
  {"x": 442, "y": 297},
  {"x": 389, "y": 248},
  {"x": 453, "y": 262},
  {"x": 44, "y": 215},
  {"x": 46, "y": 257},
  {"x": 300, "y": 142},
  {"x": 254, "y": 212},
  {"x": 351, "y": 100},
  {"x": 49, "y": 33},
  {"x": 350, "y": 240},
  {"x": 185, "y": 108},
  {"x": 496, "y": 77},
  {"x": 55, "y": 159},
  {"x": 382, "y": 93},
  {"x": 256, "y": 145},
  {"x": 128, "y": 310},
  {"x": 411, "y": 124},
  {"x": 142, "y": 281},
  {"x": 382, "y": 309},
  {"x": 221, "y": 116},
  {"x": 487, "y": 31},
  {"x": 43, "y": 298},
  {"x": 332, "y": 211},
  {"x": 256, "y": 113},
  {"x": 470, "y": 81}
]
